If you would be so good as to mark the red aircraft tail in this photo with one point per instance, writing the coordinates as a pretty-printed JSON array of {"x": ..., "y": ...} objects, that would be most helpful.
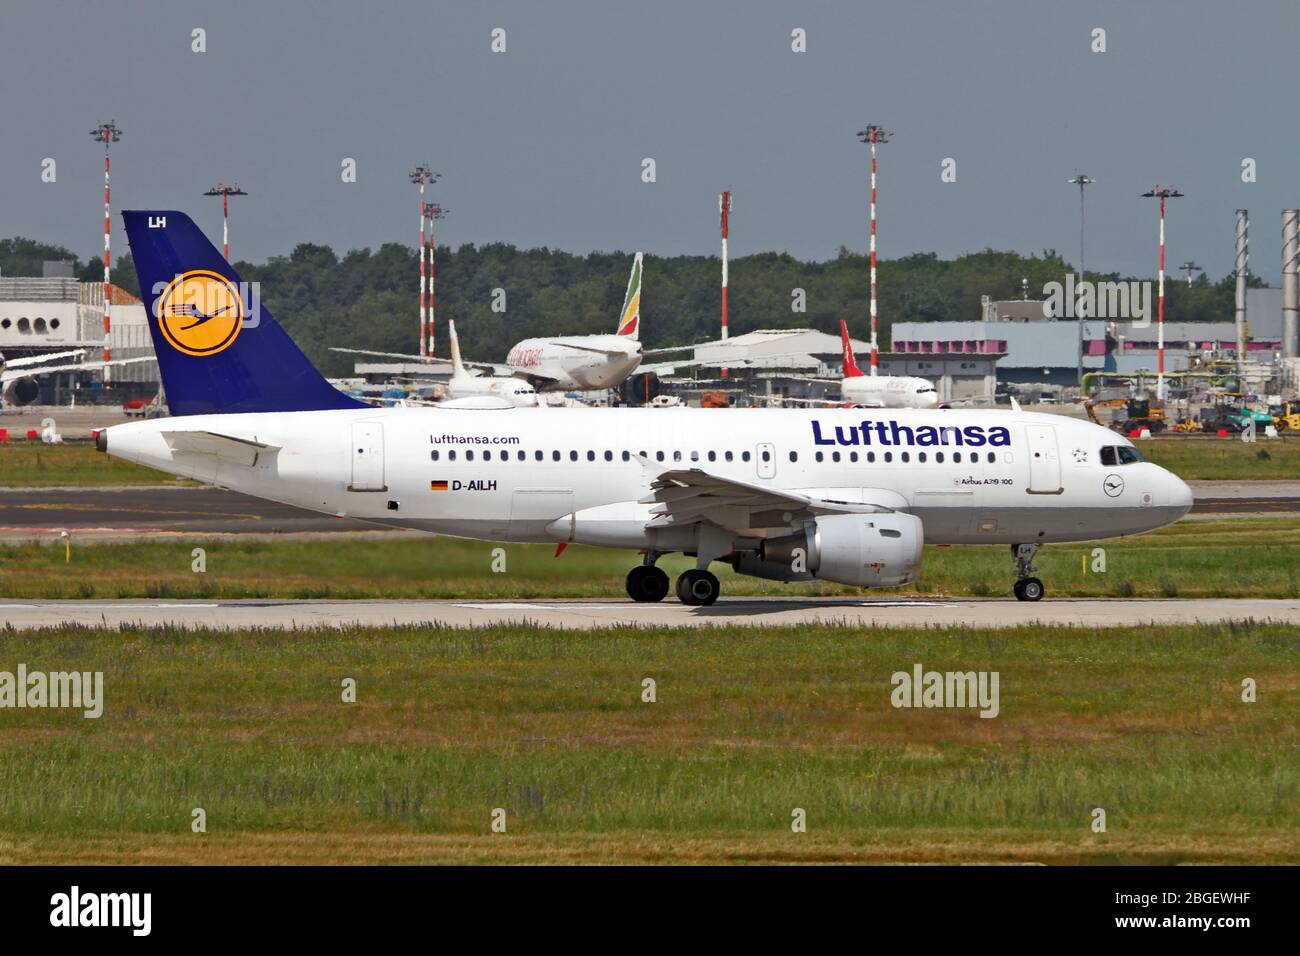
[{"x": 851, "y": 369}]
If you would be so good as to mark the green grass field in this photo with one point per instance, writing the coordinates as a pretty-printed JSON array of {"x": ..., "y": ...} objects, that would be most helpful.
[
  {"x": 26, "y": 464},
  {"x": 749, "y": 724},
  {"x": 1244, "y": 557},
  {"x": 1221, "y": 459},
  {"x": 33, "y": 465}
]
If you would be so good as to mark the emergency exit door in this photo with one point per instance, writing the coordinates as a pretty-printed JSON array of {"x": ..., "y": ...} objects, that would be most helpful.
[
  {"x": 367, "y": 457},
  {"x": 1044, "y": 462}
]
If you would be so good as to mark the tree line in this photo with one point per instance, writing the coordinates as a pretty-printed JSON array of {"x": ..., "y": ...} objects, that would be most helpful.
[{"x": 498, "y": 294}]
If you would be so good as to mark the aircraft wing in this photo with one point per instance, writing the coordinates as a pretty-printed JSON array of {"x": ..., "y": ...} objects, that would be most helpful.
[
  {"x": 9, "y": 376},
  {"x": 498, "y": 371},
  {"x": 488, "y": 367},
  {"x": 691, "y": 495},
  {"x": 538, "y": 382},
  {"x": 819, "y": 402},
  {"x": 611, "y": 353},
  {"x": 668, "y": 351},
  {"x": 667, "y": 368},
  {"x": 813, "y": 378},
  {"x": 398, "y": 355},
  {"x": 37, "y": 359},
  {"x": 660, "y": 368}
]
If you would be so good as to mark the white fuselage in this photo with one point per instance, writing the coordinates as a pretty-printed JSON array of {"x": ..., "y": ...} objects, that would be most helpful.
[
  {"x": 888, "y": 391},
  {"x": 575, "y": 362},
  {"x": 520, "y": 476},
  {"x": 513, "y": 390}
]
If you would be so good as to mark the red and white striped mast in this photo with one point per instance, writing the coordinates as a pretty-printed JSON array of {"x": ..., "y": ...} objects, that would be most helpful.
[
  {"x": 1162, "y": 193},
  {"x": 420, "y": 175},
  {"x": 225, "y": 192},
  {"x": 871, "y": 136},
  {"x": 107, "y": 133},
  {"x": 434, "y": 212},
  {"x": 724, "y": 207}
]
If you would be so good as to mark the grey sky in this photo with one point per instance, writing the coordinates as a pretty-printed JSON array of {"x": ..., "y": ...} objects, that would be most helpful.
[{"x": 542, "y": 145}]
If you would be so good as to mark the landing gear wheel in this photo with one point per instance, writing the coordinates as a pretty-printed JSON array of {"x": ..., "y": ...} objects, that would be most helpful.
[
  {"x": 697, "y": 588},
  {"x": 647, "y": 583},
  {"x": 1028, "y": 589}
]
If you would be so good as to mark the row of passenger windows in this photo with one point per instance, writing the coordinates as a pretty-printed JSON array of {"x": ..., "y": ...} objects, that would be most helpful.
[
  {"x": 764, "y": 455},
  {"x": 608, "y": 455},
  {"x": 972, "y": 457}
]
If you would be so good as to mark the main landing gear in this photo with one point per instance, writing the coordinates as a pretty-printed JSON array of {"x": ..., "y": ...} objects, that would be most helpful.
[
  {"x": 697, "y": 588},
  {"x": 1027, "y": 587},
  {"x": 645, "y": 582}
]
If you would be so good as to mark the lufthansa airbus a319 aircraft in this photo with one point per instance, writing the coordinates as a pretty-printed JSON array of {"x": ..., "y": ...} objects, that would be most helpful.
[{"x": 844, "y": 495}]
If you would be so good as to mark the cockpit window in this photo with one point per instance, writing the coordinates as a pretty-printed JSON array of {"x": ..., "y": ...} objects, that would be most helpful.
[{"x": 1120, "y": 455}]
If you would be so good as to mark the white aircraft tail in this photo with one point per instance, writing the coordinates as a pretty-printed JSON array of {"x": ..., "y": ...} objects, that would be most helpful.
[
  {"x": 629, "y": 320},
  {"x": 457, "y": 366}
]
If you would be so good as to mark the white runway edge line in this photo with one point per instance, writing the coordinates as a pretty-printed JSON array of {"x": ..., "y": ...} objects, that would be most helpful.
[{"x": 756, "y": 612}]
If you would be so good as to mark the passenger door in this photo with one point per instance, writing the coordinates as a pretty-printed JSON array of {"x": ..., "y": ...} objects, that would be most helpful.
[
  {"x": 367, "y": 457},
  {"x": 1044, "y": 461},
  {"x": 765, "y": 460}
]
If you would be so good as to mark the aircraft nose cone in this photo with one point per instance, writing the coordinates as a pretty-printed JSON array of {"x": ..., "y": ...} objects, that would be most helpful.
[{"x": 1180, "y": 495}]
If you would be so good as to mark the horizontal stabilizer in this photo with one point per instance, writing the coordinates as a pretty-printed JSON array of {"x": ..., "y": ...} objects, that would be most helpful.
[{"x": 237, "y": 451}]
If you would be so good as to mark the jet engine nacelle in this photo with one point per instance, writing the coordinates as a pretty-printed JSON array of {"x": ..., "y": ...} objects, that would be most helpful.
[
  {"x": 22, "y": 391},
  {"x": 867, "y": 550}
]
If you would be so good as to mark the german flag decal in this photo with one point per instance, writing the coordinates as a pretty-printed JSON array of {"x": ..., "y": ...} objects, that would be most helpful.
[{"x": 437, "y": 486}]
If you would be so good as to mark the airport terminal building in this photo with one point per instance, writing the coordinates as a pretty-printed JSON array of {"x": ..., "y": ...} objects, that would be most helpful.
[
  {"x": 1033, "y": 348},
  {"x": 57, "y": 313}
]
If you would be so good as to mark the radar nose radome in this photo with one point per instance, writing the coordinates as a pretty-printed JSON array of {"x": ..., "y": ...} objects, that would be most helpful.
[{"x": 1180, "y": 495}]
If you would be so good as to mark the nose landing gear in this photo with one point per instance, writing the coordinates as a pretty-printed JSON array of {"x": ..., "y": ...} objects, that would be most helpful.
[{"x": 1027, "y": 587}]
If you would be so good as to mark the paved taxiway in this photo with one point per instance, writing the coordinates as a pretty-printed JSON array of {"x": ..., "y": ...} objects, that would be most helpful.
[
  {"x": 1092, "y": 612},
  {"x": 35, "y": 513}
]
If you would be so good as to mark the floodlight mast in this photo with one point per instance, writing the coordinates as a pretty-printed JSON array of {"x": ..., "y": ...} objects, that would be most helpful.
[
  {"x": 724, "y": 207},
  {"x": 1082, "y": 180},
  {"x": 225, "y": 192},
  {"x": 1162, "y": 193},
  {"x": 420, "y": 175},
  {"x": 434, "y": 212},
  {"x": 107, "y": 133},
  {"x": 872, "y": 135}
]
